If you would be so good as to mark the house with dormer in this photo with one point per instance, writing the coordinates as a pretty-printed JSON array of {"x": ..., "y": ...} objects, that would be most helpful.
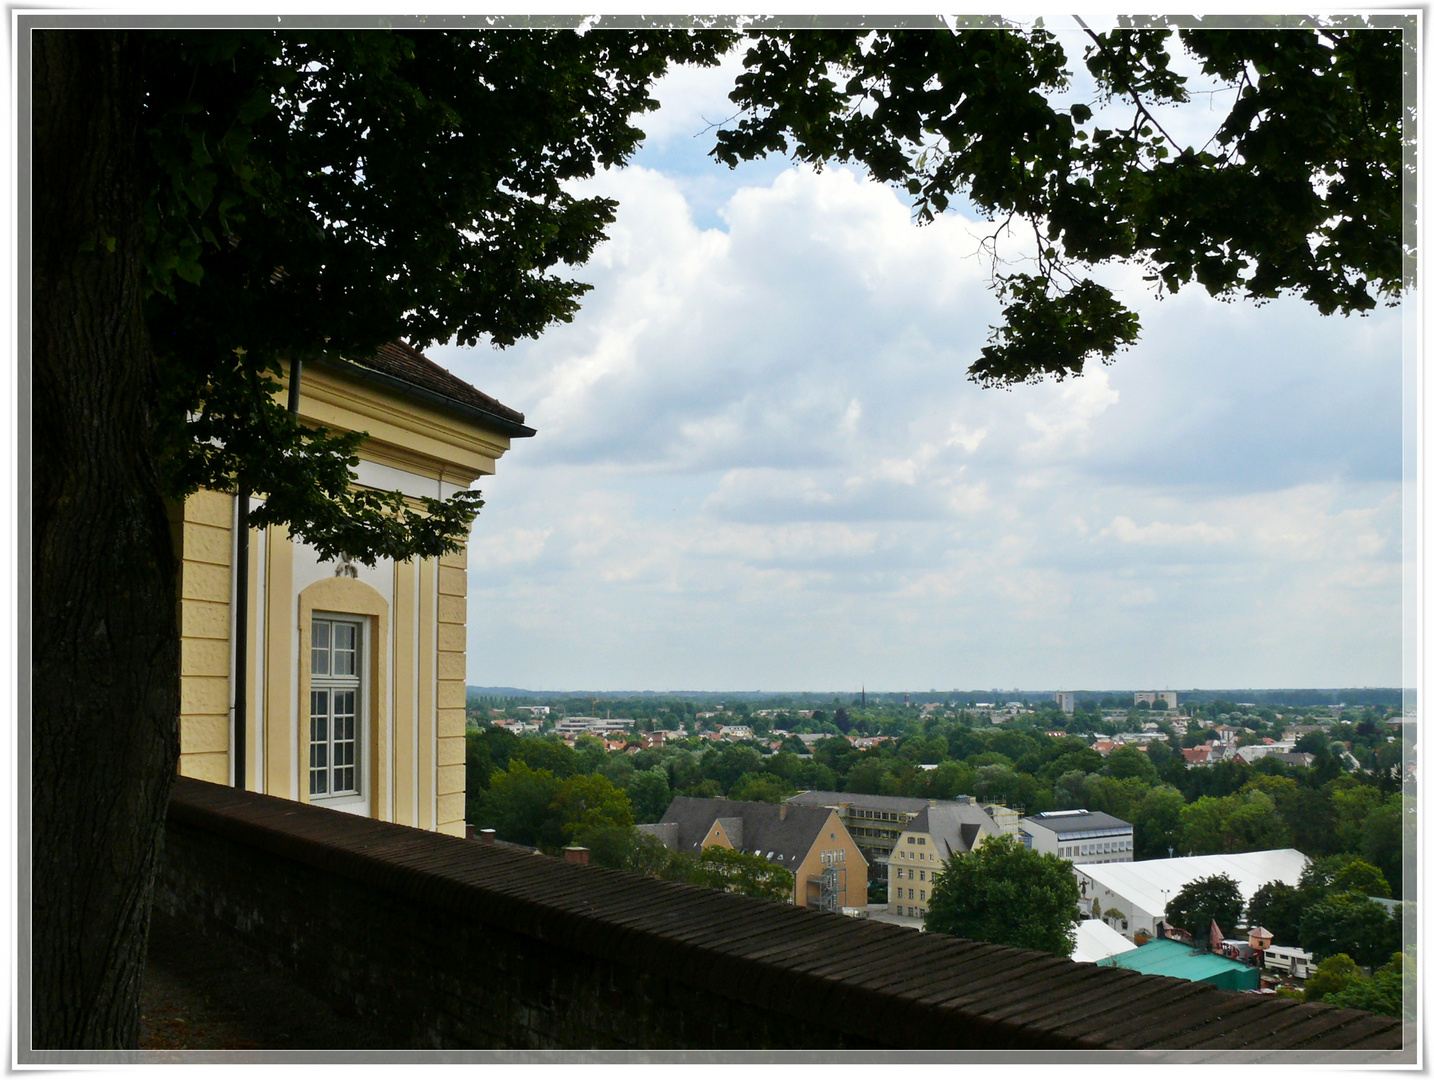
[{"x": 810, "y": 841}]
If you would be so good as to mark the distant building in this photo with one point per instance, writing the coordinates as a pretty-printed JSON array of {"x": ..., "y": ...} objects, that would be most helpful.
[
  {"x": 1079, "y": 836},
  {"x": 1150, "y": 697},
  {"x": 591, "y": 725},
  {"x": 810, "y": 841},
  {"x": 1066, "y": 700}
]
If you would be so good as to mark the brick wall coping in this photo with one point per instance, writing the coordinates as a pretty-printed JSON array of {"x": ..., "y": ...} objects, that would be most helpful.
[{"x": 881, "y": 983}]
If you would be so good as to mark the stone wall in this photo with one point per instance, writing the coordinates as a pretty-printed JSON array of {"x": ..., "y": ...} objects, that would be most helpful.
[{"x": 442, "y": 942}]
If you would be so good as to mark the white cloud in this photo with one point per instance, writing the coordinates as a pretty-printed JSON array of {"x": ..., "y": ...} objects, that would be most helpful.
[
  {"x": 759, "y": 464},
  {"x": 1127, "y": 531}
]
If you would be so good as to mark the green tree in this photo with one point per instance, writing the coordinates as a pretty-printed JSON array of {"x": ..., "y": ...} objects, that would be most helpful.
[
  {"x": 517, "y": 803},
  {"x": 727, "y": 765},
  {"x": 1127, "y": 762},
  {"x": 973, "y": 114},
  {"x": 1215, "y": 897},
  {"x": 1120, "y": 798},
  {"x": 1335, "y": 974},
  {"x": 1351, "y": 924},
  {"x": 871, "y": 776},
  {"x": 483, "y": 751},
  {"x": 584, "y": 802},
  {"x": 1069, "y": 792},
  {"x": 205, "y": 203},
  {"x": 734, "y": 871},
  {"x": 1357, "y": 876},
  {"x": 1157, "y": 823},
  {"x": 1381, "y": 841},
  {"x": 1245, "y": 821},
  {"x": 589, "y": 753},
  {"x": 1005, "y": 893},
  {"x": 550, "y": 754},
  {"x": 1353, "y": 802},
  {"x": 1391, "y": 991},
  {"x": 759, "y": 787},
  {"x": 1278, "y": 907},
  {"x": 649, "y": 793},
  {"x": 949, "y": 779}
]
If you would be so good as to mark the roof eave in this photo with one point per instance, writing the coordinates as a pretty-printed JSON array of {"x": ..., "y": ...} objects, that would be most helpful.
[{"x": 511, "y": 428}]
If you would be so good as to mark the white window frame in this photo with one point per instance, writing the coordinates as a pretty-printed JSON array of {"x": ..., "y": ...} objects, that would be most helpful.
[{"x": 356, "y": 683}]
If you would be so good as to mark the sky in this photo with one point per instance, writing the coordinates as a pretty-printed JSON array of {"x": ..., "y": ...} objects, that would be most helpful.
[{"x": 759, "y": 463}]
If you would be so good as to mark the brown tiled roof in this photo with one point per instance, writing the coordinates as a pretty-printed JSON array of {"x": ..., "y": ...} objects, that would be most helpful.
[{"x": 405, "y": 364}]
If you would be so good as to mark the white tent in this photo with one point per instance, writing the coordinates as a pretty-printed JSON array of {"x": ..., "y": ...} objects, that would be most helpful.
[
  {"x": 1095, "y": 941},
  {"x": 1142, "y": 889}
]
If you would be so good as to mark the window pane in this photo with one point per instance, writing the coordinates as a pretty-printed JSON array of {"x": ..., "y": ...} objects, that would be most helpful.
[
  {"x": 345, "y": 744},
  {"x": 345, "y": 648},
  {"x": 318, "y": 742},
  {"x": 319, "y": 653}
]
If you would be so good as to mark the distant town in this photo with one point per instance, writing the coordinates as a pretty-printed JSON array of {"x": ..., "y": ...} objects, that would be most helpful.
[{"x": 1251, "y": 839}]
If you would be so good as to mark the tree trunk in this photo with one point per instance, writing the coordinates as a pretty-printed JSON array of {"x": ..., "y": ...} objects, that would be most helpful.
[{"x": 105, "y": 625}]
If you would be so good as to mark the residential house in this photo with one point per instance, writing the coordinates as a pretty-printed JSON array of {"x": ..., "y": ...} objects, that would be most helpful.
[
  {"x": 810, "y": 841},
  {"x": 939, "y": 832},
  {"x": 1080, "y": 836},
  {"x": 353, "y": 676}
]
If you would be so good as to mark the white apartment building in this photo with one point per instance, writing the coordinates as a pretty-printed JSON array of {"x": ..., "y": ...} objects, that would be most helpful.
[{"x": 1079, "y": 836}]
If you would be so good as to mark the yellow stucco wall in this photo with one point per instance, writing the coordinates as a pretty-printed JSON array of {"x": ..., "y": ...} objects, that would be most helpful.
[
  {"x": 414, "y": 745},
  {"x": 833, "y": 837},
  {"x": 452, "y": 671},
  {"x": 206, "y": 533}
]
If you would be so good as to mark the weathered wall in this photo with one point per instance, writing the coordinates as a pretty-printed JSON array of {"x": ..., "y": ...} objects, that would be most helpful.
[{"x": 445, "y": 942}]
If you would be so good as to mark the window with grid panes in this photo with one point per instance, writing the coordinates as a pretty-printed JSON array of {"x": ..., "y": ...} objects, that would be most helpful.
[{"x": 335, "y": 693}]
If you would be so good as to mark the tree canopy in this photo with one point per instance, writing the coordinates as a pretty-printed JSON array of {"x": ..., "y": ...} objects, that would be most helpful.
[
  {"x": 1205, "y": 899},
  {"x": 324, "y": 192},
  {"x": 1004, "y": 892},
  {"x": 1297, "y": 192}
]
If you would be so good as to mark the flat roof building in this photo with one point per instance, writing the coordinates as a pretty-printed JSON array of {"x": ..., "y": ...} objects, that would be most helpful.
[{"x": 1080, "y": 836}]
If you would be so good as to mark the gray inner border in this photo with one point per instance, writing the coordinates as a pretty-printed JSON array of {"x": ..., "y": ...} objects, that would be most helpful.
[{"x": 1408, "y": 20}]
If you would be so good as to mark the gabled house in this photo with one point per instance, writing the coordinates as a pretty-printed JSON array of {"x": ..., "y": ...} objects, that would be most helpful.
[
  {"x": 353, "y": 688},
  {"x": 810, "y": 841},
  {"x": 939, "y": 832}
]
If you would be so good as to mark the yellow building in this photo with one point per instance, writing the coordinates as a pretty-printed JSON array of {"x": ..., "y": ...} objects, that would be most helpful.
[
  {"x": 810, "y": 841},
  {"x": 940, "y": 832},
  {"x": 356, "y": 675}
]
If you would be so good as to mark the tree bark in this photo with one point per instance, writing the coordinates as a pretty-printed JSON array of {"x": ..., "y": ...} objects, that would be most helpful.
[{"x": 105, "y": 623}]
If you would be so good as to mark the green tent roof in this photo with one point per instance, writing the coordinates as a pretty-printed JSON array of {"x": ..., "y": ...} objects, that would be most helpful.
[{"x": 1180, "y": 961}]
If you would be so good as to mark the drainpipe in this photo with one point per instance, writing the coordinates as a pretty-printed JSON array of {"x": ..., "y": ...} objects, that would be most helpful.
[
  {"x": 241, "y": 613},
  {"x": 241, "y": 633}
]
